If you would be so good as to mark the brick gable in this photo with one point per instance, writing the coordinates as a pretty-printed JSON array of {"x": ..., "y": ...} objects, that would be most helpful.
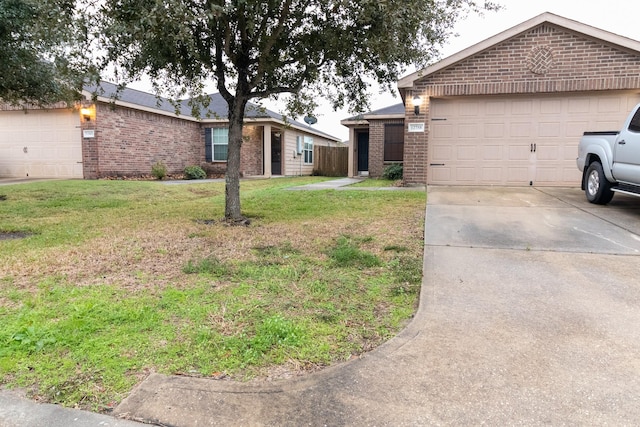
[{"x": 547, "y": 58}]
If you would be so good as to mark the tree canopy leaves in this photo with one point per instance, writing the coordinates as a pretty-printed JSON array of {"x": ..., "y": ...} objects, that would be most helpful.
[
  {"x": 39, "y": 41},
  {"x": 258, "y": 48}
]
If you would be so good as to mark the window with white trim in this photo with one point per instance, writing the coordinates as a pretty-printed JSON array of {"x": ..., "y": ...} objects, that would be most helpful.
[
  {"x": 216, "y": 144},
  {"x": 307, "y": 150}
]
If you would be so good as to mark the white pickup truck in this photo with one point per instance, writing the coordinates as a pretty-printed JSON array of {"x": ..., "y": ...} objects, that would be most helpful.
[{"x": 610, "y": 161}]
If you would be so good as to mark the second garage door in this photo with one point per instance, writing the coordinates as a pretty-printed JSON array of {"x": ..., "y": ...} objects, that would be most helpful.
[
  {"x": 517, "y": 141},
  {"x": 40, "y": 144}
]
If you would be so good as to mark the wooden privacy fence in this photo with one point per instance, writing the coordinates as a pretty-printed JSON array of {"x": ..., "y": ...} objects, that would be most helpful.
[{"x": 330, "y": 161}]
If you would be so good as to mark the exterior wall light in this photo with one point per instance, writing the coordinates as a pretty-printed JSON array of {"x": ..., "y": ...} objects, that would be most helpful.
[
  {"x": 86, "y": 114},
  {"x": 417, "y": 100}
]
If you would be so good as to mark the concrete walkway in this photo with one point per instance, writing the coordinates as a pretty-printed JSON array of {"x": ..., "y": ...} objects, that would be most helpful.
[
  {"x": 333, "y": 184},
  {"x": 13, "y": 181},
  {"x": 345, "y": 184},
  {"x": 16, "y": 411},
  {"x": 529, "y": 314}
]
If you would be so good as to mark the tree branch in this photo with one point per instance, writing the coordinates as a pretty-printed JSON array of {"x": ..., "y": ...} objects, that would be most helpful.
[{"x": 275, "y": 35}]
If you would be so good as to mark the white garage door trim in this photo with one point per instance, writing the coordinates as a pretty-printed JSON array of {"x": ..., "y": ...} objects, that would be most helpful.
[
  {"x": 517, "y": 140},
  {"x": 40, "y": 144}
]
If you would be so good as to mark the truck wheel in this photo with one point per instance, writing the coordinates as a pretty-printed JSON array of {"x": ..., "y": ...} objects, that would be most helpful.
[{"x": 597, "y": 188}]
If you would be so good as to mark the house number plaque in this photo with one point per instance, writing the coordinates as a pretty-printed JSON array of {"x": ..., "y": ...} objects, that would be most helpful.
[{"x": 416, "y": 127}]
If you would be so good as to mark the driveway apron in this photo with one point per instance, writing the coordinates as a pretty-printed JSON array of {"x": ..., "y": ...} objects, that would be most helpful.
[{"x": 529, "y": 314}]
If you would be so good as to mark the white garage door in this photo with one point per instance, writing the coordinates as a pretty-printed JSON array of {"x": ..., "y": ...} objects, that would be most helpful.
[
  {"x": 40, "y": 144},
  {"x": 517, "y": 141}
]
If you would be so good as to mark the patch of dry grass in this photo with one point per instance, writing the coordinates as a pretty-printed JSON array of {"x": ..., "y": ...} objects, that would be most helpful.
[{"x": 102, "y": 282}]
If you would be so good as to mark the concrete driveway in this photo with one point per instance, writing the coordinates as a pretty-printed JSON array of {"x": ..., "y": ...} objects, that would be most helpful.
[{"x": 529, "y": 315}]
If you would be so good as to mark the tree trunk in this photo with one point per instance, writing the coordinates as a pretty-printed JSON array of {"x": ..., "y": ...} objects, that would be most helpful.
[{"x": 232, "y": 211}]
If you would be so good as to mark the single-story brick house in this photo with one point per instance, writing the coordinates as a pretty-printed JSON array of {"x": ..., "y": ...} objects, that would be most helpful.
[
  {"x": 127, "y": 135},
  {"x": 507, "y": 111}
]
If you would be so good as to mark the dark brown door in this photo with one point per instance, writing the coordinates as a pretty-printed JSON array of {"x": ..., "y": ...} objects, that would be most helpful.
[
  {"x": 276, "y": 153},
  {"x": 363, "y": 151}
]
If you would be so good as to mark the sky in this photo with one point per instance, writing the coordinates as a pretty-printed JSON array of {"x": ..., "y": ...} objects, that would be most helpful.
[{"x": 616, "y": 16}]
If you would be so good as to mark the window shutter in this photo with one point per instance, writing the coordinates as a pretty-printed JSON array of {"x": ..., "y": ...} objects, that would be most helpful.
[
  {"x": 394, "y": 142},
  {"x": 208, "y": 150}
]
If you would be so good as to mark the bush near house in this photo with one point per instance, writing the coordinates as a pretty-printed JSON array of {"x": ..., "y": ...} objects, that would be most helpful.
[
  {"x": 393, "y": 172},
  {"x": 159, "y": 170},
  {"x": 194, "y": 172}
]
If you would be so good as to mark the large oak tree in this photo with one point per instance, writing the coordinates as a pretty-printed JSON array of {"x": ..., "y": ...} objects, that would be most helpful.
[{"x": 254, "y": 49}]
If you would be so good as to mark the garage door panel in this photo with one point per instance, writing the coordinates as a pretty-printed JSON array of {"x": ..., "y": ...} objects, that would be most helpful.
[
  {"x": 519, "y": 153},
  {"x": 521, "y": 130},
  {"x": 466, "y": 152},
  {"x": 466, "y": 174},
  {"x": 468, "y": 130},
  {"x": 517, "y": 175},
  {"x": 571, "y": 175},
  {"x": 441, "y": 153},
  {"x": 443, "y": 110},
  {"x": 495, "y": 108},
  {"x": 492, "y": 174},
  {"x": 606, "y": 125},
  {"x": 522, "y": 107},
  {"x": 40, "y": 144},
  {"x": 546, "y": 175},
  {"x": 550, "y": 129},
  {"x": 442, "y": 131},
  {"x": 548, "y": 151},
  {"x": 550, "y": 106},
  {"x": 494, "y": 130},
  {"x": 523, "y": 140},
  {"x": 492, "y": 153},
  {"x": 469, "y": 109},
  {"x": 575, "y": 129},
  {"x": 579, "y": 105},
  {"x": 441, "y": 174},
  {"x": 609, "y": 105}
]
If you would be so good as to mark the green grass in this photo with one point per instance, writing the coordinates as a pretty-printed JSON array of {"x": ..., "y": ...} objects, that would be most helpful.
[
  {"x": 122, "y": 278},
  {"x": 375, "y": 182}
]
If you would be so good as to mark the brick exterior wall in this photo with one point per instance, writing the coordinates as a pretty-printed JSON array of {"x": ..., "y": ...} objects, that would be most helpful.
[
  {"x": 251, "y": 152},
  {"x": 376, "y": 146},
  {"x": 128, "y": 142},
  {"x": 545, "y": 59}
]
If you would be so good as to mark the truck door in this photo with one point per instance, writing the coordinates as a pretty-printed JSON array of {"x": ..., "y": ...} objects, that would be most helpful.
[{"x": 626, "y": 165}]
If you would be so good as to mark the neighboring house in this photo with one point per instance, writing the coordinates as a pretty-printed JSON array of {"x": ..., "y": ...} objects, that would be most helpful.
[
  {"x": 127, "y": 135},
  {"x": 377, "y": 139},
  {"x": 507, "y": 111}
]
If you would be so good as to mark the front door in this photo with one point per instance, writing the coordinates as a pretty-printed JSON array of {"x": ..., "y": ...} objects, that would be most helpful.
[
  {"x": 276, "y": 153},
  {"x": 363, "y": 151}
]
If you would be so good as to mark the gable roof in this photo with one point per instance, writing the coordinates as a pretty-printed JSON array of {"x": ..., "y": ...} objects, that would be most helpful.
[
  {"x": 624, "y": 43},
  {"x": 216, "y": 111},
  {"x": 396, "y": 111}
]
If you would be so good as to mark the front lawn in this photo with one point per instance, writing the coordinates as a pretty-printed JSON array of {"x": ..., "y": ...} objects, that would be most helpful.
[{"x": 118, "y": 279}]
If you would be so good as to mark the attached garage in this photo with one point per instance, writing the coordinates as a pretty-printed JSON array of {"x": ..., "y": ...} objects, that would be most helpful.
[
  {"x": 517, "y": 140},
  {"x": 511, "y": 109},
  {"x": 40, "y": 144}
]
